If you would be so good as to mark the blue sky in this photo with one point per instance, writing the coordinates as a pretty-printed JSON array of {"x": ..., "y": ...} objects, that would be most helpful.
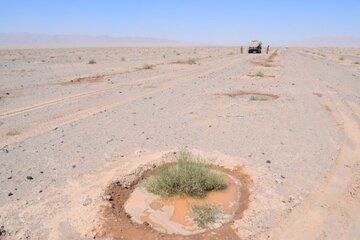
[{"x": 195, "y": 21}]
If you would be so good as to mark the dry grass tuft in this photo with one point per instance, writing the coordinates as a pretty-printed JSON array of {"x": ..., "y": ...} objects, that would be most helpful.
[{"x": 206, "y": 214}]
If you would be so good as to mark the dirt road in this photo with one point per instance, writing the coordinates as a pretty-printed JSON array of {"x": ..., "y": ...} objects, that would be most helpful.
[{"x": 68, "y": 128}]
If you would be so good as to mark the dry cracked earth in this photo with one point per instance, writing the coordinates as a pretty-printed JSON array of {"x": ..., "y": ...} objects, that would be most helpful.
[{"x": 290, "y": 118}]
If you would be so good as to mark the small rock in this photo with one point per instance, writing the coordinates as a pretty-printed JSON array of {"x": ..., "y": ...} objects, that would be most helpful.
[
  {"x": 87, "y": 201},
  {"x": 268, "y": 161},
  {"x": 107, "y": 198},
  {"x": 74, "y": 166},
  {"x": 2, "y": 231},
  {"x": 29, "y": 178},
  {"x": 10, "y": 194}
]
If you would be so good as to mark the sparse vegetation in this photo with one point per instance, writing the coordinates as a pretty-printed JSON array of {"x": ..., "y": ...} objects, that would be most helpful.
[
  {"x": 206, "y": 214},
  {"x": 189, "y": 176},
  {"x": 92, "y": 61},
  {"x": 148, "y": 66},
  {"x": 267, "y": 65},
  {"x": 259, "y": 98},
  {"x": 191, "y": 61},
  {"x": 260, "y": 74}
]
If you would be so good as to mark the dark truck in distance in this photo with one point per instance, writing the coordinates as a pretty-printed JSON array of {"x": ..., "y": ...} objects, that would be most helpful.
[{"x": 255, "y": 46}]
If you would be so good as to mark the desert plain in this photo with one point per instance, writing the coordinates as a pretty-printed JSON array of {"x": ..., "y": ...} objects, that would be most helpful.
[{"x": 74, "y": 120}]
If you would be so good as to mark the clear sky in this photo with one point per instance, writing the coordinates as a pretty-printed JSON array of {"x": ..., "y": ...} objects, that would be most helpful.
[{"x": 194, "y": 21}]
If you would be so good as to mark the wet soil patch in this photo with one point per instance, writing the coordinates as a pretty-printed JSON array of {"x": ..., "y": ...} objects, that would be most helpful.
[
  {"x": 91, "y": 79},
  {"x": 12, "y": 133},
  {"x": 118, "y": 224}
]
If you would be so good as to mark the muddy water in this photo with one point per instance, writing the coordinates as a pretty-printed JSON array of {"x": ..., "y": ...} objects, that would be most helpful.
[{"x": 173, "y": 215}]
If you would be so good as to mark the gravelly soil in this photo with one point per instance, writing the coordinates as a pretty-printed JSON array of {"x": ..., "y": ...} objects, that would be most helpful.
[{"x": 63, "y": 144}]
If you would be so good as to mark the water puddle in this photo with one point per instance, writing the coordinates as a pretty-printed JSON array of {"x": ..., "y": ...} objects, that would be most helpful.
[{"x": 173, "y": 215}]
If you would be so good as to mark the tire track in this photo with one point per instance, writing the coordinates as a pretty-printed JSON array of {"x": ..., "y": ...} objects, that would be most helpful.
[
  {"x": 47, "y": 125},
  {"x": 76, "y": 97}
]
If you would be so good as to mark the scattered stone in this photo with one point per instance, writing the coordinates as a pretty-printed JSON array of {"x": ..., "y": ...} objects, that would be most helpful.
[
  {"x": 9, "y": 178},
  {"x": 2, "y": 231},
  {"x": 87, "y": 201},
  {"x": 128, "y": 180},
  {"x": 74, "y": 166},
  {"x": 10, "y": 194},
  {"x": 29, "y": 178},
  {"x": 268, "y": 161},
  {"x": 107, "y": 198}
]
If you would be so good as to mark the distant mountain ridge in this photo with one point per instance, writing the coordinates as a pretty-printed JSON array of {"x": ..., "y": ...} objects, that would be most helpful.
[{"x": 47, "y": 40}]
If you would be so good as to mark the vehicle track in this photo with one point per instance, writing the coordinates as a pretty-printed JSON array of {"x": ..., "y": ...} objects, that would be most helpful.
[
  {"x": 46, "y": 125},
  {"x": 76, "y": 97},
  {"x": 335, "y": 201}
]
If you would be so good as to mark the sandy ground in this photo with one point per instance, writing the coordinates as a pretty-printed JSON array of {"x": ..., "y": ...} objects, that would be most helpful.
[{"x": 68, "y": 129}]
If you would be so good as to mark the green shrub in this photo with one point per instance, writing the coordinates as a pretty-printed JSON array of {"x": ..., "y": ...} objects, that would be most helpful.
[
  {"x": 147, "y": 66},
  {"x": 191, "y": 61},
  {"x": 260, "y": 74},
  {"x": 189, "y": 176},
  {"x": 92, "y": 61},
  {"x": 206, "y": 214},
  {"x": 259, "y": 98}
]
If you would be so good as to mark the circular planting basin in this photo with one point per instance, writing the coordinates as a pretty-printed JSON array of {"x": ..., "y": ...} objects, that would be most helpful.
[
  {"x": 174, "y": 215},
  {"x": 139, "y": 210}
]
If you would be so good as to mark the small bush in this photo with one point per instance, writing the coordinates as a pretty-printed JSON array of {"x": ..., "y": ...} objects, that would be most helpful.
[
  {"x": 147, "y": 66},
  {"x": 206, "y": 214},
  {"x": 260, "y": 74},
  {"x": 123, "y": 59},
  {"x": 267, "y": 65},
  {"x": 259, "y": 98},
  {"x": 191, "y": 61},
  {"x": 190, "y": 176},
  {"x": 92, "y": 61}
]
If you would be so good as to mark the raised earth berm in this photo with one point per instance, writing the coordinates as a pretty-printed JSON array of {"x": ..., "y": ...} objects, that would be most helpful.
[{"x": 186, "y": 196}]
